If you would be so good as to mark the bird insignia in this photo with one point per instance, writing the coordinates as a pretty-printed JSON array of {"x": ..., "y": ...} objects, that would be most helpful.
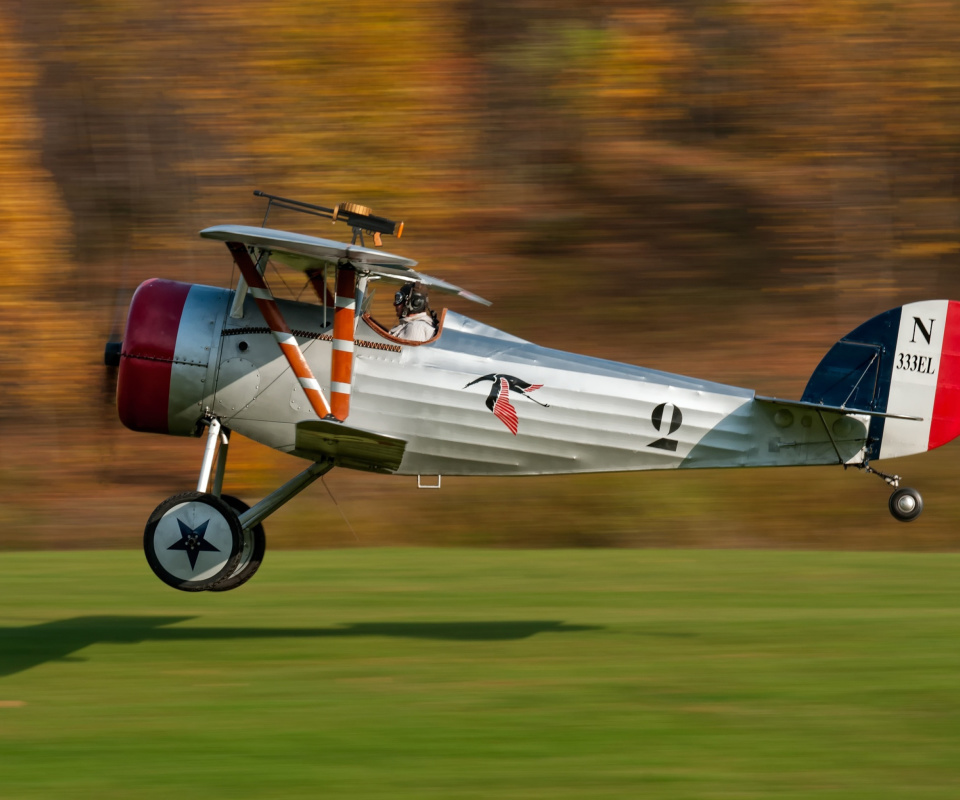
[{"x": 498, "y": 401}]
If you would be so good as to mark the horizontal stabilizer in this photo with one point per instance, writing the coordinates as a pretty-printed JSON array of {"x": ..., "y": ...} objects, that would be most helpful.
[
  {"x": 836, "y": 409},
  {"x": 349, "y": 447}
]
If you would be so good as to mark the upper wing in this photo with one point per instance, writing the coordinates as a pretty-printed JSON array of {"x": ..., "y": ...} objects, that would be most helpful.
[
  {"x": 308, "y": 252},
  {"x": 304, "y": 252}
]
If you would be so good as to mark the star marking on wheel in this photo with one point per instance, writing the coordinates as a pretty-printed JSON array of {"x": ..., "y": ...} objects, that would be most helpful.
[{"x": 193, "y": 542}]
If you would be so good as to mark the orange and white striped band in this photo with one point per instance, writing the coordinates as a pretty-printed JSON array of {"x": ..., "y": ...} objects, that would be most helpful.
[
  {"x": 281, "y": 331},
  {"x": 341, "y": 368}
]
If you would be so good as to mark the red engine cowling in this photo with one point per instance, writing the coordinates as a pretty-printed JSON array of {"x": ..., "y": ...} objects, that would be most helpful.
[{"x": 165, "y": 380}]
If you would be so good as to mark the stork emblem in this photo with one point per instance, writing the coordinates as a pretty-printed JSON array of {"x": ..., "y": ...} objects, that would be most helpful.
[{"x": 498, "y": 401}]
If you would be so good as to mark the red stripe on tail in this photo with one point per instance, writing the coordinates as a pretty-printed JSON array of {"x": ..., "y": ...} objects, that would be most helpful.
[{"x": 945, "y": 424}]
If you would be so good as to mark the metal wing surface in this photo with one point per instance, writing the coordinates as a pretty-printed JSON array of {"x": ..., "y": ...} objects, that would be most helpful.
[
  {"x": 302, "y": 252},
  {"x": 307, "y": 252},
  {"x": 448, "y": 288}
]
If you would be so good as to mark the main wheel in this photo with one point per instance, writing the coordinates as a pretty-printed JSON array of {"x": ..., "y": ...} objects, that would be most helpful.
[
  {"x": 193, "y": 541},
  {"x": 254, "y": 546},
  {"x": 906, "y": 504}
]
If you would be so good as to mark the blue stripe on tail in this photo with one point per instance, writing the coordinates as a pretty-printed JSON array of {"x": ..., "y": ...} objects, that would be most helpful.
[{"x": 857, "y": 371}]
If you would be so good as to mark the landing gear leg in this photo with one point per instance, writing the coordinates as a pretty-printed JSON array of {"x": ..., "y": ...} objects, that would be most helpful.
[
  {"x": 254, "y": 545},
  {"x": 221, "y": 462},
  {"x": 905, "y": 503},
  {"x": 209, "y": 541},
  {"x": 254, "y": 541}
]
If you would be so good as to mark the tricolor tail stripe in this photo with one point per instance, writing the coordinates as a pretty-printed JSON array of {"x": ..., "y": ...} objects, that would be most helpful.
[{"x": 905, "y": 361}]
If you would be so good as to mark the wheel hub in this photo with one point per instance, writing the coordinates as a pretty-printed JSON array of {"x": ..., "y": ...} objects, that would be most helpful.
[{"x": 906, "y": 503}]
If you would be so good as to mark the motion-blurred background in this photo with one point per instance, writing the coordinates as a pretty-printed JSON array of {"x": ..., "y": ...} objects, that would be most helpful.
[{"x": 719, "y": 189}]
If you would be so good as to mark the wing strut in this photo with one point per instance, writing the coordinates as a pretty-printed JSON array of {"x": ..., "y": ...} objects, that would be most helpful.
[
  {"x": 281, "y": 331},
  {"x": 341, "y": 366}
]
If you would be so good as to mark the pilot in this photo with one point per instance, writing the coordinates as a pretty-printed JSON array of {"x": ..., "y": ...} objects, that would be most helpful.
[{"x": 417, "y": 322}]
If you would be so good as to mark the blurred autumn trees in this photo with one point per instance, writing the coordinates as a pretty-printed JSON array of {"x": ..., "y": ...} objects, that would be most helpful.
[{"x": 708, "y": 187}]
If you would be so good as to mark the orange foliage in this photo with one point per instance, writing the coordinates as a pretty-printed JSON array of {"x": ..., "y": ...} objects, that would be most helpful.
[{"x": 729, "y": 167}]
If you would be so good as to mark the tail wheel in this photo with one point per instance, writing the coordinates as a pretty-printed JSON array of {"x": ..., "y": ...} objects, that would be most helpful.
[
  {"x": 193, "y": 541},
  {"x": 251, "y": 557},
  {"x": 906, "y": 504}
]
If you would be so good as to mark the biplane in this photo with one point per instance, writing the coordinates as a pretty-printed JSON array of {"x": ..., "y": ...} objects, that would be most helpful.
[{"x": 328, "y": 383}]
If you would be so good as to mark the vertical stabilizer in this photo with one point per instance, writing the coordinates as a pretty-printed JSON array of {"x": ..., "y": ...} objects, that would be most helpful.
[{"x": 906, "y": 362}]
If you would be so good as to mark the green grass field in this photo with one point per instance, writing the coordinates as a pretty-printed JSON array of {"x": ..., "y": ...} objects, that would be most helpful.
[{"x": 388, "y": 673}]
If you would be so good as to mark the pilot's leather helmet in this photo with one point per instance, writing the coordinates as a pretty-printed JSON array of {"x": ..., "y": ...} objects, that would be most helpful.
[{"x": 411, "y": 299}]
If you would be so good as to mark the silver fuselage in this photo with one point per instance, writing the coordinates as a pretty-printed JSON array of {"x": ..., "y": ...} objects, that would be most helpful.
[{"x": 586, "y": 414}]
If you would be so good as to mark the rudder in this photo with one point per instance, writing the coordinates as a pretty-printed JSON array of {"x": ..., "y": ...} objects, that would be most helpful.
[{"x": 905, "y": 361}]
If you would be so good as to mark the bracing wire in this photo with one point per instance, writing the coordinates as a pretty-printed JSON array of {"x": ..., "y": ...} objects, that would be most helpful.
[
  {"x": 340, "y": 510},
  {"x": 280, "y": 276}
]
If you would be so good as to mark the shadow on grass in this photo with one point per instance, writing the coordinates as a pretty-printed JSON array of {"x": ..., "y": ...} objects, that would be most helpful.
[{"x": 25, "y": 647}]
